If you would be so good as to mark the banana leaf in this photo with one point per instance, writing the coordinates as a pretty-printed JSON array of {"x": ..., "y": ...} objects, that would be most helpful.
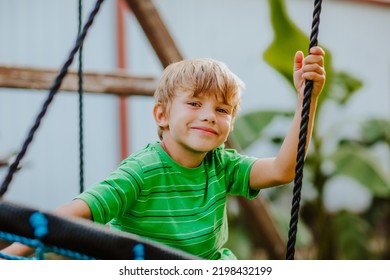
[
  {"x": 359, "y": 164},
  {"x": 249, "y": 127}
]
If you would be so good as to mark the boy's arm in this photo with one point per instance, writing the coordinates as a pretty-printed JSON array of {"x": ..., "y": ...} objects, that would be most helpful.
[
  {"x": 280, "y": 170},
  {"x": 76, "y": 208}
]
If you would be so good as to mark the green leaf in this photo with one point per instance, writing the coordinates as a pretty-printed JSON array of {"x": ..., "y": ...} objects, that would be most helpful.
[
  {"x": 249, "y": 127},
  {"x": 359, "y": 164},
  {"x": 288, "y": 39},
  {"x": 343, "y": 87},
  {"x": 351, "y": 237},
  {"x": 376, "y": 130}
]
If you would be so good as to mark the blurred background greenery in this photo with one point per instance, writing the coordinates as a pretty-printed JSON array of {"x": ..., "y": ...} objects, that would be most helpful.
[{"x": 332, "y": 161}]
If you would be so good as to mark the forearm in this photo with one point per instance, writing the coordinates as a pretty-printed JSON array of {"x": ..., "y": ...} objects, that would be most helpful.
[
  {"x": 76, "y": 208},
  {"x": 280, "y": 170},
  {"x": 286, "y": 159},
  {"x": 309, "y": 68}
]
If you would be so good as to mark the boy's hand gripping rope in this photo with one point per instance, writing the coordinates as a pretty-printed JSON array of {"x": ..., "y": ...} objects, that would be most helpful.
[
  {"x": 302, "y": 141},
  {"x": 53, "y": 90}
]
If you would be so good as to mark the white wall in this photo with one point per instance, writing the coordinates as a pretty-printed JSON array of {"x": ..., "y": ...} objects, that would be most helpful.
[{"x": 40, "y": 33}]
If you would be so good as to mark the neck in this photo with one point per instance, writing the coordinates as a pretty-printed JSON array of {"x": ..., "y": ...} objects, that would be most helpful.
[{"x": 184, "y": 157}]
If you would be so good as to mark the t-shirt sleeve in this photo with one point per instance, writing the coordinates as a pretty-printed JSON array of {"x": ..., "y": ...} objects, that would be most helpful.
[
  {"x": 237, "y": 170},
  {"x": 111, "y": 197}
]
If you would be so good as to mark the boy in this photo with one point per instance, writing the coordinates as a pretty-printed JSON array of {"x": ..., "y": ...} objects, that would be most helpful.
[{"x": 174, "y": 191}]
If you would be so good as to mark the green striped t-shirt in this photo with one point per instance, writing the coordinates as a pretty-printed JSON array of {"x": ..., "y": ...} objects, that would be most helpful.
[{"x": 154, "y": 197}]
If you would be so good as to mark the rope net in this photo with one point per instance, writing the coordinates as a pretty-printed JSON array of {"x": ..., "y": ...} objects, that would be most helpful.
[{"x": 76, "y": 238}]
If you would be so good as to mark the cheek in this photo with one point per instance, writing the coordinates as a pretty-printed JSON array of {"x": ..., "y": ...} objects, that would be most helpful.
[
  {"x": 227, "y": 123},
  {"x": 180, "y": 117}
]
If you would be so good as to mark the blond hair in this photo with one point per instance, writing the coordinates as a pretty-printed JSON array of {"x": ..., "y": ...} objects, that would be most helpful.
[{"x": 202, "y": 76}]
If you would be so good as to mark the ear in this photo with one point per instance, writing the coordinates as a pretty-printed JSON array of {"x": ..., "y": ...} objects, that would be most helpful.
[{"x": 160, "y": 116}]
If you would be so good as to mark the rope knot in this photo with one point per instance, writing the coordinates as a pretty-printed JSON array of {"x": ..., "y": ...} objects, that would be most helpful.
[
  {"x": 39, "y": 223},
  {"x": 139, "y": 252}
]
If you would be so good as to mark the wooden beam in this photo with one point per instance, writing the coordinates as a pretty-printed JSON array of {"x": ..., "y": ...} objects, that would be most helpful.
[
  {"x": 263, "y": 228},
  {"x": 118, "y": 83},
  {"x": 264, "y": 231},
  {"x": 377, "y": 2},
  {"x": 156, "y": 31}
]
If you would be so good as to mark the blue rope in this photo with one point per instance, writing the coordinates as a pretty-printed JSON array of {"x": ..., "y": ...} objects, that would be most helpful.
[
  {"x": 13, "y": 258},
  {"x": 68, "y": 253},
  {"x": 39, "y": 223},
  {"x": 20, "y": 239},
  {"x": 11, "y": 237}
]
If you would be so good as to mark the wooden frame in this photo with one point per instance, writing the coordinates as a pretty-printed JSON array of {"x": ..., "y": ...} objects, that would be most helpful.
[{"x": 119, "y": 83}]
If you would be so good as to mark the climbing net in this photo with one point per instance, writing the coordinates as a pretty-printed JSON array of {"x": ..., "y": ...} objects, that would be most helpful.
[{"x": 76, "y": 238}]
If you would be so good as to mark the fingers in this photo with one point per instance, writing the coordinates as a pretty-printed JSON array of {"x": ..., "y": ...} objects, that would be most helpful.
[
  {"x": 313, "y": 72},
  {"x": 317, "y": 51},
  {"x": 314, "y": 76},
  {"x": 316, "y": 56},
  {"x": 313, "y": 65},
  {"x": 298, "y": 60},
  {"x": 310, "y": 67},
  {"x": 313, "y": 68}
]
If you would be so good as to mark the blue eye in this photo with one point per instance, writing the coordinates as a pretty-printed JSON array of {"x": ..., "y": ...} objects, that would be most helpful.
[
  {"x": 194, "y": 104},
  {"x": 224, "y": 111}
]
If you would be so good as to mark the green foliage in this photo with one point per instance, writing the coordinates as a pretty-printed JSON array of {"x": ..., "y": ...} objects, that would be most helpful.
[
  {"x": 351, "y": 241},
  {"x": 250, "y": 126},
  {"x": 376, "y": 130},
  {"x": 359, "y": 163},
  {"x": 343, "y": 87},
  {"x": 288, "y": 39},
  {"x": 340, "y": 235}
]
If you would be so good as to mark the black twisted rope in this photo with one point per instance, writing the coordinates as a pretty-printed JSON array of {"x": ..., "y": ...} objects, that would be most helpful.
[
  {"x": 302, "y": 141},
  {"x": 53, "y": 90},
  {"x": 81, "y": 112}
]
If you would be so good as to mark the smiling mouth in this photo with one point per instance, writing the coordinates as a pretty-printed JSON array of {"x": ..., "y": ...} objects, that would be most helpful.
[{"x": 205, "y": 130}]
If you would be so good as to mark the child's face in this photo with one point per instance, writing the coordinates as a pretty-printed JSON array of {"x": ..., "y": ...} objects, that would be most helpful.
[{"x": 197, "y": 124}]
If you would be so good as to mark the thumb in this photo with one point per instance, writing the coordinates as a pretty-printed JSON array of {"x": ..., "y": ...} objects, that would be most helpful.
[{"x": 298, "y": 60}]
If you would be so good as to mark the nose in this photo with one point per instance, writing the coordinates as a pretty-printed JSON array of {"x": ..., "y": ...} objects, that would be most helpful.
[{"x": 208, "y": 114}]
